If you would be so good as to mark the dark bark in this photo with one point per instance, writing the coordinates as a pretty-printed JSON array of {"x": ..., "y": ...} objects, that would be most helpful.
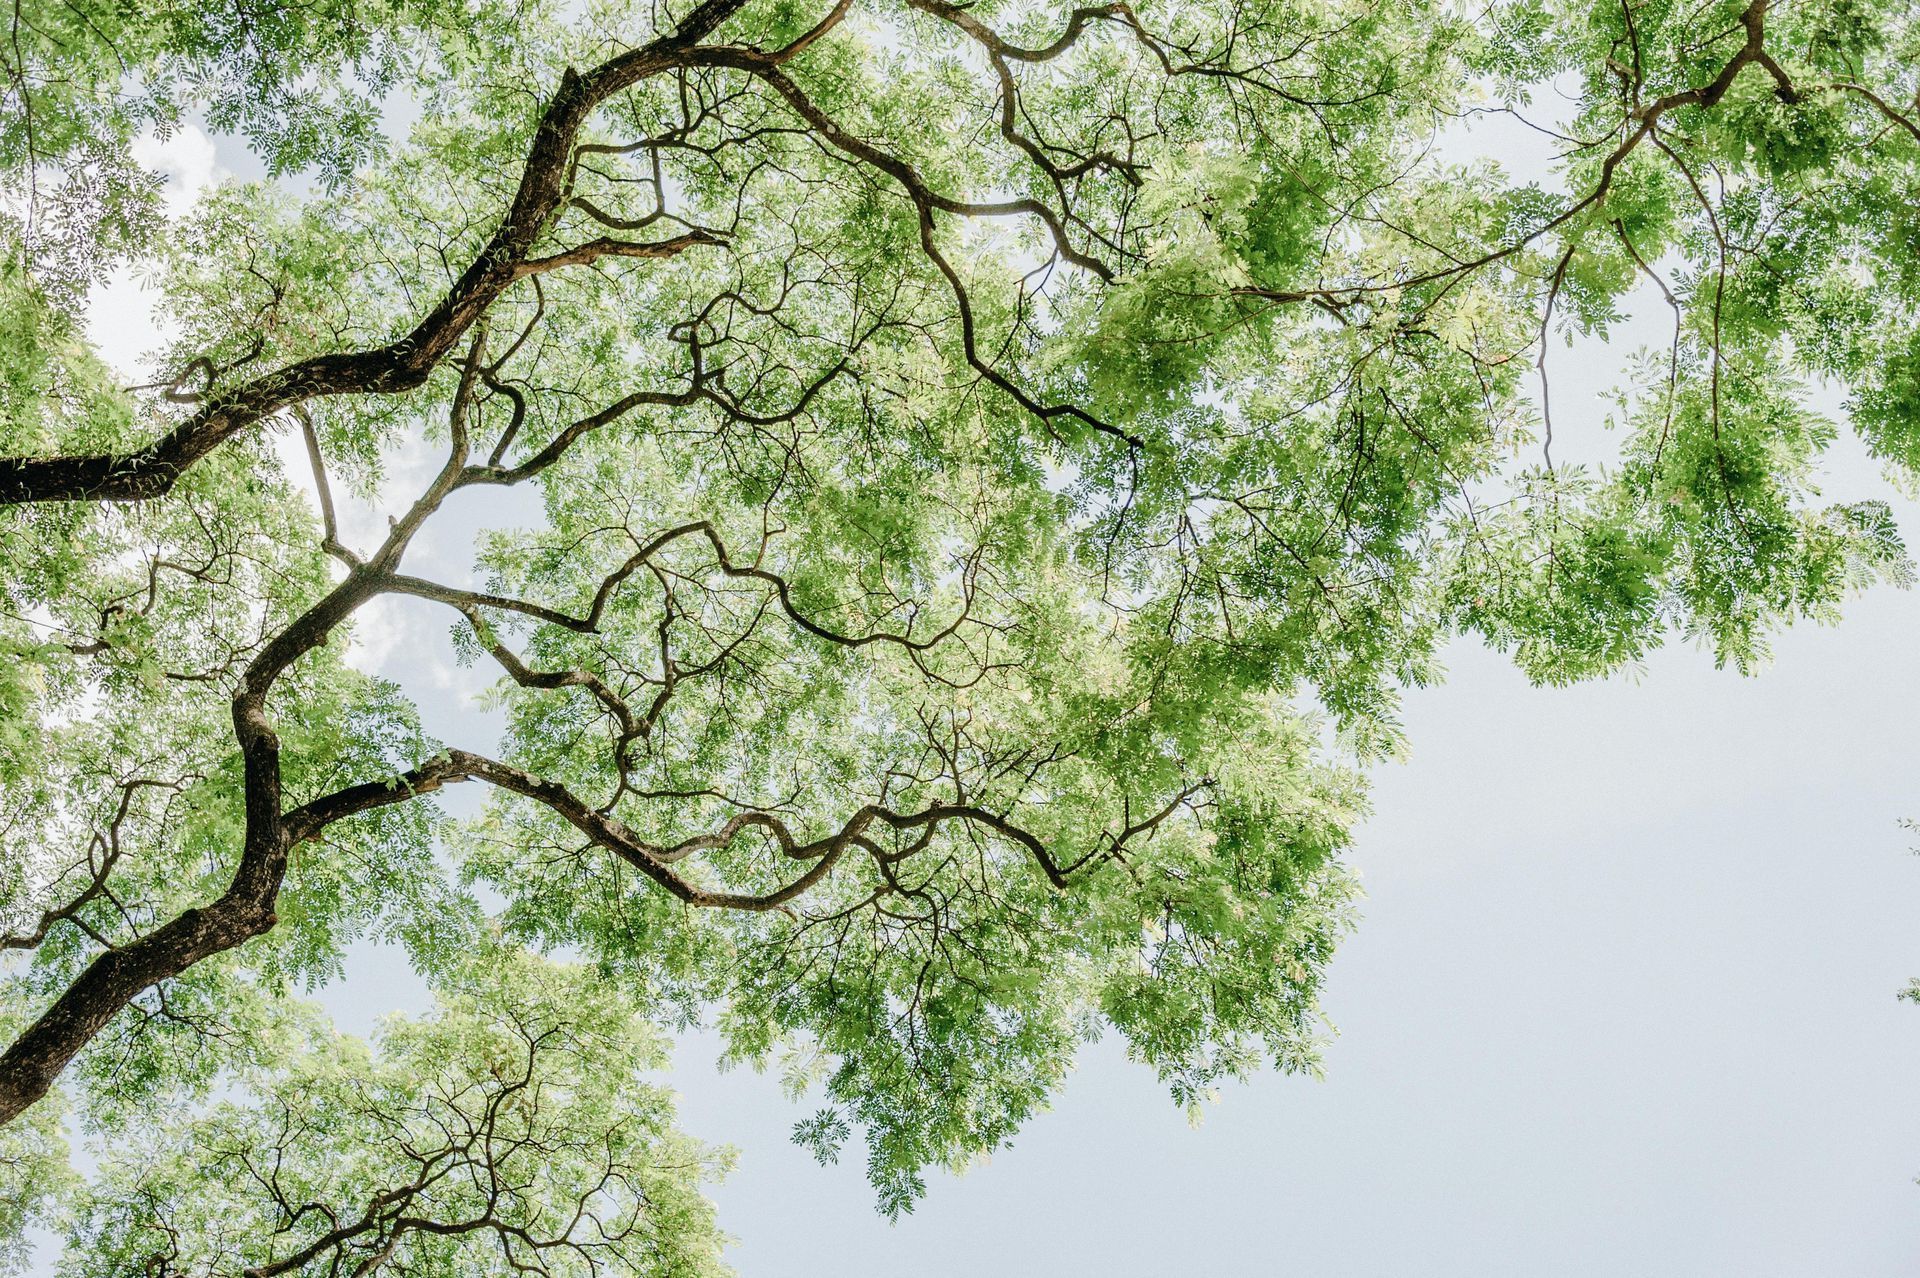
[
  {"x": 115, "y": 978},
  {"x": 401, "y": 365},
  {"x": 245, "y": 910}
]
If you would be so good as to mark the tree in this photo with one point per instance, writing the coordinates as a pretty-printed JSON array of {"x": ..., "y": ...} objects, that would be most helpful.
[
  {"x": 512, "y": 1132},
  {"x": 996, "y": 465}
]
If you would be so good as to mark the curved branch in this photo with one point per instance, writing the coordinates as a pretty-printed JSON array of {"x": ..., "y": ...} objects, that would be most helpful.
[{"x": 400, "y": 365}]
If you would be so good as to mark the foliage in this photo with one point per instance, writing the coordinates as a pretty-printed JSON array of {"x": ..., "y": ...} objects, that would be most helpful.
[
  {"x": 989, "y": 471},
  {"x": 511, "y": 1132}
]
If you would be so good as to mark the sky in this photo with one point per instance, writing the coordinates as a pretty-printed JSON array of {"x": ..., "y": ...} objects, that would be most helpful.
[
  {"x": 1622, "y": 999},
  {"x": 1621, "y": 1002}
]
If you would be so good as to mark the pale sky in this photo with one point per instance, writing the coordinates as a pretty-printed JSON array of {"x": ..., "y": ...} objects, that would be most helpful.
[{"x": 1622, "y": 1001}]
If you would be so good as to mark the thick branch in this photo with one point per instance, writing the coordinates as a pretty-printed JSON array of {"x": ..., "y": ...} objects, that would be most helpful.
[{"x": 400, "y": 365}]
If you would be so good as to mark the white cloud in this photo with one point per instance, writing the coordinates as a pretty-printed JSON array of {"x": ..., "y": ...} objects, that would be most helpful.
[
  {"x": 187, "y": 160},
  {"x": 120, "y": 312},
  {"x": 379, "y": 636}
]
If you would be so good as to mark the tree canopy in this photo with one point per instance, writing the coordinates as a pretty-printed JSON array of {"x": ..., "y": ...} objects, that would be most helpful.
[{"x": 994, "y": 467}]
